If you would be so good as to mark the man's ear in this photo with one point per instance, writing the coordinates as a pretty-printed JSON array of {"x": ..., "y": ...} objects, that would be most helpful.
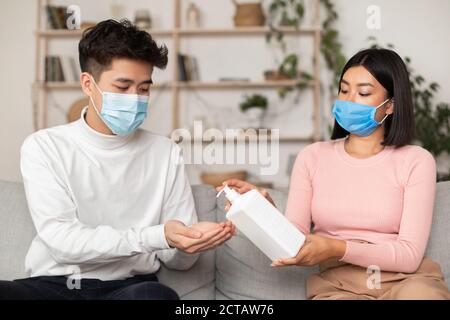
[{"x": 86, "y": 83}]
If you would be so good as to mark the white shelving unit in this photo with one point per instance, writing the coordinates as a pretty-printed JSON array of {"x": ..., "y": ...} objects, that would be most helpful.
[{"x": 177, "y": 34}]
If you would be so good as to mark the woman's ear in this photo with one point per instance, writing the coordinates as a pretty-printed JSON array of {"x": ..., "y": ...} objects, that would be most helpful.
[{"x": 390, "y": 107}]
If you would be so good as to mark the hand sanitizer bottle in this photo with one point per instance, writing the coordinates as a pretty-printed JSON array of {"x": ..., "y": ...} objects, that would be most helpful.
[{"x": 263, "y": 224}]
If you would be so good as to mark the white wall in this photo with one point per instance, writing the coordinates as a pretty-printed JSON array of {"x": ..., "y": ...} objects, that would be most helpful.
[
  {"x": 17, "y": 72},
  {"x": 418, "y": 28}
]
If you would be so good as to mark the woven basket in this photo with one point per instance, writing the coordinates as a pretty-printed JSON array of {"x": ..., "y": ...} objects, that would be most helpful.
[
  {"x": 216, "y": 178},
  {"x": 249, "y": 15}
]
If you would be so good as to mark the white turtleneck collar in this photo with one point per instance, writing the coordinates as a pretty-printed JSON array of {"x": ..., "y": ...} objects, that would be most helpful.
[{"x": 98, "y": 139}]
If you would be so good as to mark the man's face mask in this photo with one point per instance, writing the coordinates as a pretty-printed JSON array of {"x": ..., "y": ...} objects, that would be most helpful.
[
  {"x": 122, "y": 113},
  {"x": 357, "y": 118}
]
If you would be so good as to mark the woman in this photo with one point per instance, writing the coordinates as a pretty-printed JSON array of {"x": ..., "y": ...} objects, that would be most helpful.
[{"x": 368, "y": 192}]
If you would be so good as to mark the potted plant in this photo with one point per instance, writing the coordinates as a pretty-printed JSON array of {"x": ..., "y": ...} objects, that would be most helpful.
[
  {"x": 290, "y": 13},
  {"x": 254, "y": 107},
  {"x": 286, "y": 71}
]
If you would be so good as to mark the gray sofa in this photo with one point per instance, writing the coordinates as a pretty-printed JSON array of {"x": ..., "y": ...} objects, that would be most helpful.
[{"x": 236, "y": 270}]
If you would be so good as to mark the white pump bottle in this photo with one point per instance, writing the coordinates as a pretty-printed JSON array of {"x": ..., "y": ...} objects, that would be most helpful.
[{"x": 263, "y": 224}]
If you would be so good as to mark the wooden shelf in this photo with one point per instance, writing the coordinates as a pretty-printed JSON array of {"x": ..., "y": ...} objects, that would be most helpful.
[
  {"x": 237, "y": 84},
  {"x": 57, "y": 85},
  {"x": 77, "y": 33},
  {"x": 243, "y": 31},
  {"x": 191, "y": 32},
  {"x": 176, "y": 33},
  {"x": 285, "y": 139},
  {"x": 59, "y": 33},
  {"x": 76, "y": 85},
  {"x": 189, "y": 85}
]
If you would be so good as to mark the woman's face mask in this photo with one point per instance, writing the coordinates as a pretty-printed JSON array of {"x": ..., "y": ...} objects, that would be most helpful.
[
  {"x": 122, "y": 113},
  {"x": 356, "y": 118}
]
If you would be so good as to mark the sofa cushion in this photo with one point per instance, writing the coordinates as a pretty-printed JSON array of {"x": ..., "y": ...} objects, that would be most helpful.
[
  {"x": 16, "y": 230},
  {"x": 439, "y": 242},
  {"x": 244, "y": 272},
  {"x": 199, "y": 281}
]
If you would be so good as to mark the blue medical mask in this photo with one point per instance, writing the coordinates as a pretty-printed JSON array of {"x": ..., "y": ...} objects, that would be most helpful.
[
  {"x": 357, "y": 118},
  {"x": 122, "y": 113}
]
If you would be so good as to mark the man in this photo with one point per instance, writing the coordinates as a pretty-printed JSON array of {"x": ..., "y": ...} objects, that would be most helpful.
[{"x": 109, "y": 201}]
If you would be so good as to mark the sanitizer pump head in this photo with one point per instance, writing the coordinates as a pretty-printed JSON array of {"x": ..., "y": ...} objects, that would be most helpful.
[{"x": 231, "y": 194}]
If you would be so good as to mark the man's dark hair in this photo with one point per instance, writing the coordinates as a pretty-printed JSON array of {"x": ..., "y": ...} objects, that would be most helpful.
[
  {"x": 111, "y": 39},
  {"x": 391, "y": 72}
]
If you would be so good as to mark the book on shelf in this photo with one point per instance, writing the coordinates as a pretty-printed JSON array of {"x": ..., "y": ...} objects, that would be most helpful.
[
  {"x": 53, "y": 69},
  {"x": 61, "y": 69},
  {"x": 187, "y": 68},
  {"x": 56, "y": 16}
]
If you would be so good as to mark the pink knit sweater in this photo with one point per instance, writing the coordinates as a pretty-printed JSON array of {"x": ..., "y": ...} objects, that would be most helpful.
[{"x": 386, "y": 199}]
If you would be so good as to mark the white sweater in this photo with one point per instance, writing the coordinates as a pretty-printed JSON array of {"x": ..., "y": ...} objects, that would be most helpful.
[{"x": 99, "y": 202}]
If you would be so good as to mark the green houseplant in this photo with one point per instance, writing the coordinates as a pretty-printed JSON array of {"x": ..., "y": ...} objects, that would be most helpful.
[
  {"x": 291, "y": 13},
  {"x": 254, "y": 106},
  {"x": 253, "y": 101},
  {"x": 284, "y": 13}
]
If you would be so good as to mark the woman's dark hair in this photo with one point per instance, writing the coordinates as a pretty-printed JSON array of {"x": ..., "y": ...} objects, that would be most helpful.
[
  {"x": 111, "y": 39},
  {"x": 391, "y": 72}
]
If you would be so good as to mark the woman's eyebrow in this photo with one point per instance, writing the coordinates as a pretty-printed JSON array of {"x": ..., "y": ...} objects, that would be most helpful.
[{"x": 362, "y": 84}]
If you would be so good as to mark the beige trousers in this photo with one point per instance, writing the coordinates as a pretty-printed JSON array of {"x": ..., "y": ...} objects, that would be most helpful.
[{"x": 342, "y": 281}]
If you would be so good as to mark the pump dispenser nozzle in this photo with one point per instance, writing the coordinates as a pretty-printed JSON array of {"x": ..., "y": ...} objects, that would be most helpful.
[{"x": 231, "y": 194}]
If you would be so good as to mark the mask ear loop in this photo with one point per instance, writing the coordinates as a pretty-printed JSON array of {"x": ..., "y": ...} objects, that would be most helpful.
[
  {"x": 382, "y": 120},
  {"x": 92, "y": 100},
  {"x": 99, "y": 90}
]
